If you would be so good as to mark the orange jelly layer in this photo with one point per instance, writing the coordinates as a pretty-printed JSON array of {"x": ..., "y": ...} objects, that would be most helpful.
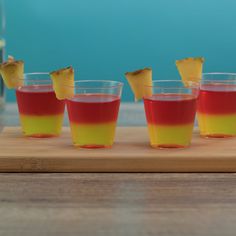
[
  {"x": 170, "y": 135},
  {"x": 93, "y": 135},
  {"x": 41, "y": 126},
  {"x": 217, "y": 125}
]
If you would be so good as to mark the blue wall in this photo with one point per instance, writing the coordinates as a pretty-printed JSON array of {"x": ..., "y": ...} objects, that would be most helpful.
[{"x": 103, "y": 39}]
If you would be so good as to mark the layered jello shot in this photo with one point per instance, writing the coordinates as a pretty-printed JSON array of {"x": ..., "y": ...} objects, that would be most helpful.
[
  {"x": 40, "y": 112},
  {"x": 170, "y": 106},
  {"x": 216, "y": 110},
  {"x": 170, "y": 113},
  {"x": 93, "y": 113},
  {"x": 92, "y": 105}
]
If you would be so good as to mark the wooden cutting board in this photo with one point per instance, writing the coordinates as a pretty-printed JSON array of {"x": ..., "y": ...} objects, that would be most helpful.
[{"x": 130, "y": 153}]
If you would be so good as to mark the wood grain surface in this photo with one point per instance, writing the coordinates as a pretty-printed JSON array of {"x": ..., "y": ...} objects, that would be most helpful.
[
  {"x": 131, "y": 153},
  {"x": 118, "y": 204}
]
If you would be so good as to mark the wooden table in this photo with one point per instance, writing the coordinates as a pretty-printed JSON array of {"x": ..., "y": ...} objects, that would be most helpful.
[{"x": 117, "y": 204}]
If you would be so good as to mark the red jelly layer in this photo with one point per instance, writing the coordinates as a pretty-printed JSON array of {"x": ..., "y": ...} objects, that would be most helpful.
[
  {"x": 38, "y": 100},
  {"x": 217, "y": 99},
  {"x": 93, "y": 108},
  {"x": 170, "y": 109}
]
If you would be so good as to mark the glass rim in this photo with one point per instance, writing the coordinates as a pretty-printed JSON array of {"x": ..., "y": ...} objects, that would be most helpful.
[
  {"x": 218, "y": 73},
  {"x": 117, "y": 84},
  {"x": 36, "y": 80},
  {"x": 214, "y": 80},
  {"x": 37, "y": 73},
  {"x": 191, "y": 85}
]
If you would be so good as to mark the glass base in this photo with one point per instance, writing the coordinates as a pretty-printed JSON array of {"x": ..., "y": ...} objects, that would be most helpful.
[
  {"x": 92, "y": 146},
  {"x": 41, "y": 136},
  {"x": 168, "y": 146},
  {"x": 215, "y": 136}
]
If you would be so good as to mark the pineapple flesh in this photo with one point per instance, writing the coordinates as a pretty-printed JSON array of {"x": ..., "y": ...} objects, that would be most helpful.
[
  {"x": 63, "y": 82},
  {"x": 190, "y": 69},
  {"x": 140, "y": 82},
  {"x": 12, "y": 73}
]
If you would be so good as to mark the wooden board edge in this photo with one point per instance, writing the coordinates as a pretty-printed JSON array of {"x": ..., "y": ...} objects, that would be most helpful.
[{"x": 41, "y": 165}]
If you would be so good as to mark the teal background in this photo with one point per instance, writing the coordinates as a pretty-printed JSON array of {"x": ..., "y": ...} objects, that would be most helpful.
[{"x": 103, "y": 39}]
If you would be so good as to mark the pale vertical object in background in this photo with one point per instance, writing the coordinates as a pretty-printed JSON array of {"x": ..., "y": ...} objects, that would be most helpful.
[{"x": 2, "y": 48}]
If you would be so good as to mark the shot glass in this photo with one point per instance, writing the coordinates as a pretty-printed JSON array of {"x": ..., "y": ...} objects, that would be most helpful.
[
  {"x": 170, "y": 108},
  {"x": 40, "y": 112},
  {"x": 93, "y": 113},
  {"x": 216, "y": 109}
]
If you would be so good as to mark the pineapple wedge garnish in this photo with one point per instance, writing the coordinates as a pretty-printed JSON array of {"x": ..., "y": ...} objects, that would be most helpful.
[
  {"x": 139, "y": 81},
  {"x": 190, "y": 69},
  {"x": 63, "y": 82},
  {"x": 12, "y": 73}
]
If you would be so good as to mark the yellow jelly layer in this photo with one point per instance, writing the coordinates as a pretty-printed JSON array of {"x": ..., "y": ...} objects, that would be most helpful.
[
  {"x": 217, "y": 125},
  {"x": 93, "y": 135},
  {"x": 170, "y": 135},
  {"x": 41, "y": 126}
]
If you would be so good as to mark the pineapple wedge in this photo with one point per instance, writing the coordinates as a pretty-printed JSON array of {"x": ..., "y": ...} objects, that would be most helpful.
[
  {"x": 139, "y": 81},
  {"x": 12, "y": 73},
  {"x": 190, "y": 69},
  {"x": 63, "y": 82}
]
